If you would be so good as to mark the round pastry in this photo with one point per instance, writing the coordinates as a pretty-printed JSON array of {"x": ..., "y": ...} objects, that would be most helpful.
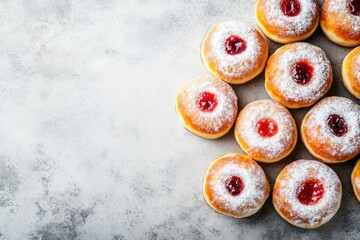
[
  {"x": 331, "y": 130},
  {"x": 266, "y": 131},
  {"x": 298, "y": 74},
  {"x": 351, "y": 72},
  {"x": 307, "y": 193},
  {"x": 207, "y": 107},
  {"x": 340, "y": 21},
  {"x": 355, "y": 180},
  {"x": 235, "y": 185},
  {"x": 234, "y": 52},
  {"x": 286, "y": 21}
]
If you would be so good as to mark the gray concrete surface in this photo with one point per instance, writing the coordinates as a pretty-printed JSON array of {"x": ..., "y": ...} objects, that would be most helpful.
[{"x": 90, "y": 145}]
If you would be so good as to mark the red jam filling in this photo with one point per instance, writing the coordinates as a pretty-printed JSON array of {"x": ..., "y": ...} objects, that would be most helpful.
[
  {"x": 354, "y": 7},
  {"x": 302, "y": 72},
  {"x": 337, "y": 125},
  {"x": 290, "y": 8},
  {"x": 207, "y": 102},
  {"x": 310, "y": 192},
  {"x": 234, "y": 185},
  {"x": 235, "y": 45},
  {"x": 266, "y": 127}
]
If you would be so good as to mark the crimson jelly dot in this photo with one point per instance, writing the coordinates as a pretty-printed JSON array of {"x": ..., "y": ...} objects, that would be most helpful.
[
  {"x": 207, "y": 102},
  {"x": 337, "y": 125},
  {"x": 235, "y": 45},
  {"x": 234, "y": 185},
  {"x": 266, "y": 127},
  {"x": 302, "y": 72},
  {"x": 354, "y": 7},
  {"x": 290, "y": 8},
  {"x": 310, "y": 192}
]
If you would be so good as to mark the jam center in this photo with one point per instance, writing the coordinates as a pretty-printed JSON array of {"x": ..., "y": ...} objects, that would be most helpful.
[
  {"x": 235, "y": 45},
  {"x": 337, "y": 125},
  {"x": 302, "y": 72},
  {"x": 234, "y": 185},
  {"x": 266, "y": 127},
  {"x": 310, "y": 192},
  {"x": 207, "y": 102},
  {"x": 290, "y": 8},
  {"x": 354, "y": 7}
]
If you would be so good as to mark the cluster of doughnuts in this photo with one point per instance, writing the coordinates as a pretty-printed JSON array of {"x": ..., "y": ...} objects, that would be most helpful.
[{"x": 307, "y": 193}]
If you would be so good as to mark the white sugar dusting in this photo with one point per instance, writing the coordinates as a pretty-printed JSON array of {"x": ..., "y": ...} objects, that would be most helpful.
[
  {"x": 254, "y": 181},
  {"x": 238, "y": 64},
  {"x": 325, "y": 208},
  {"x": 357, "y": 183},
  {"x": 273, "y": 146},
  {"x": 317, "y": 86},
  {"x": 339, "y": 8},
  {"x": 291, "y": 26},
  {"x": 223, "y": 114},
  {"x": 318, "y": 115}
]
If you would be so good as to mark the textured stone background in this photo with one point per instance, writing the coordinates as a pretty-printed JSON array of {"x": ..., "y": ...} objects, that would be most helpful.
[{"x": 90, "y": 145}]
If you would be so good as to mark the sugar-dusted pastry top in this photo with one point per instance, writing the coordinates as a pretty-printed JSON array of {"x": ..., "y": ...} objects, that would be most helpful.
[
  {"x": 298, "y": 75},
  {"x": 235, "y": 185},
  {"x": 351, "y": 72},
  {"x": 234, "y": 52},
  {"x": 331, "y": 130},
  {"x": 307, "y": 193},
  {"x": 266, "y": 131}
]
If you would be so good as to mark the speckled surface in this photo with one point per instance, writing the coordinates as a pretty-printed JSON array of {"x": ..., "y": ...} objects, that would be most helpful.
[{"x": 90, "y": 145}]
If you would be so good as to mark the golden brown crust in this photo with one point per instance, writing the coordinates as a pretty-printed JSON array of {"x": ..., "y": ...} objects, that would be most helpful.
[
  {"x": 262, "y": 154},
  {"x": 212, "y": 64},
  {"x": 210, "y": 176},
  {"x": 323, "y": 148},
  {"x": 283, "y": 204},
  {"x": 275, "y": 70},
  {"x": 355, "y": 180},
  {"x": 278, "y": 33},
  {"x": 337, "y": 23},
  {"x": 350, "y": 70},
  {"x": 189, "y": 116}
]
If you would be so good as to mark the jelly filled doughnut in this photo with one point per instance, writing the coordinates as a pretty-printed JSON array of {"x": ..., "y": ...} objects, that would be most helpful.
[
  {"x": 234, "y": 52},
  {"x": 340, "y": 21},
  {"x": 286, "y": 21},
  {"x": 331, "y": 130},
  {"x": 298, "y": 74},
  {"x": 207, "y": 107},
  {"x": 266, "y": 131},
  {"x": 235, "y": 185},
  {"x": 307, "y": 193},
  {"x": 351, "y": 72},
  {"x": 355, "y": 180}
]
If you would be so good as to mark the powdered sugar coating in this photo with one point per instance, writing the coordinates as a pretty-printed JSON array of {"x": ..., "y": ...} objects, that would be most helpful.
[
  {"x": 282, "y": 78},
  {"x": 339, "y": 8},
  {"x": 221, "y": 117},
  {"x": 271, "y": 147},
  {"x": 318, "y": 131},
  {"x": 290, "y": 26},
  {"x": 357, "y": 183},
  {"x": 239, "y": 64},
  {"x": 358, "y": 69},
  {"x": 253, "y": 194},
  {"x": 286, "y": 201}
]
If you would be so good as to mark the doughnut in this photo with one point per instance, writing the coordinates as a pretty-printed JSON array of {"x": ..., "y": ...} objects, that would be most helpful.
[
  {"x": 266, "y": 131},
  {"x": 287, "y": 21},
  {"x": 307, "y": 193},
  {"x": 351, "y": 72},
  {"x": 207, "y": 107},
  {"x": 298, "y": 75},
  {"x": 355, "y": 180},
  {"x": 340, "y": 21},
  {"x": 235, "y": 185},
  {"x": 234, "y": 52},
  {"x": 331, "y": 130}
]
